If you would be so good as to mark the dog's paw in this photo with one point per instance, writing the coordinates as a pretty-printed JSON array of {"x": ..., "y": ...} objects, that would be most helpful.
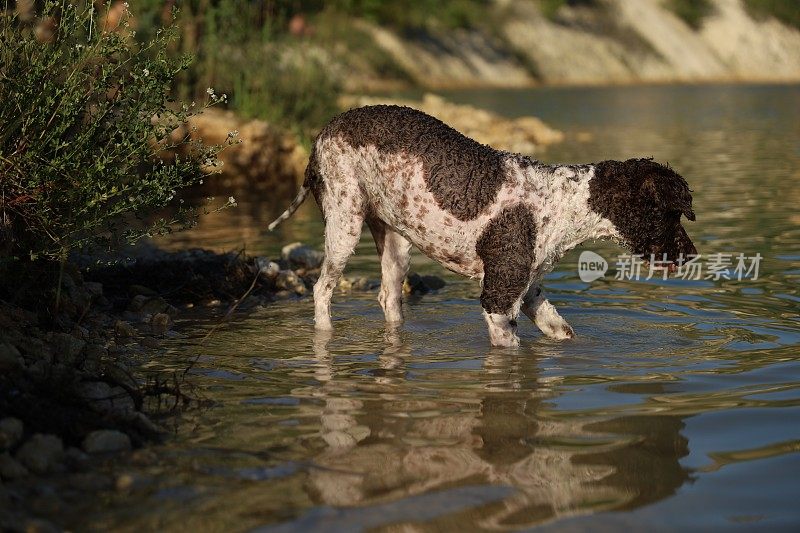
[
  {"x": 558, "y": 330},
  {"x": 505, "y": 341}
]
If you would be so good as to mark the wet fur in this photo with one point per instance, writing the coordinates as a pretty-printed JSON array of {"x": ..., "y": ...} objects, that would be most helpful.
[{"x": 502, "y": 218}]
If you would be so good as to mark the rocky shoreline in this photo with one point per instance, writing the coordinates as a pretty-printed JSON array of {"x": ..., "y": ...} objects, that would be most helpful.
[{"x": 72, "y": 393}]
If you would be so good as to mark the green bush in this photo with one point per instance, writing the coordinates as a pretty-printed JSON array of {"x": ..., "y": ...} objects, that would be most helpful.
[
  {"x": 85, "y": 112},
  {"x": 693, "y": 12},
  {"x": 550, "y": 8},
  {"x": 787, "y": 11}
]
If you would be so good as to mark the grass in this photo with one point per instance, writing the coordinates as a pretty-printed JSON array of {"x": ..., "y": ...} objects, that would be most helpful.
[
  {"x": 692, "y": 12},
  {"x": 787, "y": 11},
  {"x": 550, "y": 8}
]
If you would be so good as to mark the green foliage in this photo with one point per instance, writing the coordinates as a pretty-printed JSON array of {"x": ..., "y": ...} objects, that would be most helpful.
[
  {"x": 550, "y": 8},
  {"x": 243, "y": 49},
  {"x": 420, "y": 14},
  {"x": 85, "y": 114},
  {"x": 692, "y": 12},
  {"x": 787, "y": 11}
]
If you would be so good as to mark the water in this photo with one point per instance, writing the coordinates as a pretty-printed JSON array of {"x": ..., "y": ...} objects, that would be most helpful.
[{"x": 676, "y": 407}]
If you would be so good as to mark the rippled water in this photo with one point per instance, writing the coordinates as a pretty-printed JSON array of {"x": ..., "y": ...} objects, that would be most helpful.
[{"x": 677, "y": 406}]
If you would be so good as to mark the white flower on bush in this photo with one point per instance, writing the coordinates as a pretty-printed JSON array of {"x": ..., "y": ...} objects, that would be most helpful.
[{"x": 232, "y": 201}]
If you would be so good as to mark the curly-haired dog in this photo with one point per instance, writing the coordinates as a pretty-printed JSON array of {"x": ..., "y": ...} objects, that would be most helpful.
[{"x": 502, "y": 218}]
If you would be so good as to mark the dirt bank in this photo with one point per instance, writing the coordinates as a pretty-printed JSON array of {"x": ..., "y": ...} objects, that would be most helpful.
[{"x": 597, "y": 42}]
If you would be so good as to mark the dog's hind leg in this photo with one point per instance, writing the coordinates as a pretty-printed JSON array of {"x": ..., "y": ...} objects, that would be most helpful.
[
  {"x": 395, "y": 253},
  {"x": 544, "y": 314},
  {"x": 342, "y": 232}
]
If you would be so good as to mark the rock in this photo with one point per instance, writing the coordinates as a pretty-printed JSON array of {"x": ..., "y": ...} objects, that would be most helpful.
[
  {"x": 94, "y": 289},
  {"x": 144, "y": 457},
  {"x": 298, "y": 255},
  {"x": 10, "y": 433},
  {"x": 124, "y": 329},
  {"x": 268, "y": 157},
  {"x": 98, "y": 393},
  {"x": 75, "y": 458},
  {"x": 137, "y": 302},
  {"x": 66, "y": 348},
  {"x": 416, "y": 284},
  {"x": 90, "y": 481},
  {"x": 268, "y": 269},
  {"x": 136, "y": 290},
  {"x": 148, "y": 305},
  {"x": 149, "y": 342},
  {"x": 10, "y": 468},
  {"x": 41, "y": 453},
  {"x": 10, "y": 358},
  {"x": 434, "y": 283},
  {"x": 124, "y": 482},
  {"x": 290, "y": 281},
  {"x": 94, "y": 356},
  {"x": 40, "y": 525},
  {"x": 160, "y": 323},
  {"x": 106, "y": 441},
  {"x": 364, "y": 284}
]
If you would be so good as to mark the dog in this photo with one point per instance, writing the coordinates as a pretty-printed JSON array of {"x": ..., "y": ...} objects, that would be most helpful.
[{"x": 502, "y": 218}]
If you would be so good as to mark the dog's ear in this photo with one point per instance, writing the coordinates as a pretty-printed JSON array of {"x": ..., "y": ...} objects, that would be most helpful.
[{"x": 666, "y": 187}]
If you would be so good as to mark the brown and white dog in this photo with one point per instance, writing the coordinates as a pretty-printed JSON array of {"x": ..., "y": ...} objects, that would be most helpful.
[{"x": 502, "y": 218}]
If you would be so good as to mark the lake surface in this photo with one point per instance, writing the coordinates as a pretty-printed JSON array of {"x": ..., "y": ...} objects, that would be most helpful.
[{"x": 676, "y": 407}]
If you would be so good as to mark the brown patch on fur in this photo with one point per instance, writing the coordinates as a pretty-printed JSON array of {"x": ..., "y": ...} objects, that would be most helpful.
[
  {"x": 463, "y": 175},
  {"x": 506, "y": 248}
]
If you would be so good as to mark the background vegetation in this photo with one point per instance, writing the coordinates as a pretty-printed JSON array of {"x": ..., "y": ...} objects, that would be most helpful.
[{"x": 86, "y": 112}]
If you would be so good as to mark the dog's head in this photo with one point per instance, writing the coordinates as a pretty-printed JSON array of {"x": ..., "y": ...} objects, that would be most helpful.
[{"x": 644, "y": 200}]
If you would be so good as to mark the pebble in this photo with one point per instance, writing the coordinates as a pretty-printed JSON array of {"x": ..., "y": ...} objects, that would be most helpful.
[
  {"x": 106, "y": 441},
  {"x": 90, "y": 481},
  {"x": 124, "y": 329},
  {"x": 10, "y": 358},
  {"x": 10, "y": 432},
  {"x": 149, "y": 342},
  {"x": 75, "y": 458},
  {"x": 160, "y": 323},
  {"x": 10, "y": 468},
  {"x": 42, "y": 453},
  {"x": 298, "y": 254},
  {"x": 67, "y": 348},
  {"x": 416, "y": 284},
  {"x": 267, "y": 268},
  {"x": 290, "y": 281}
]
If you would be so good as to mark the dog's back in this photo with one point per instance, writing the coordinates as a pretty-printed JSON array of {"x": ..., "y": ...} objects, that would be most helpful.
[{"x": 433, "y": 185}]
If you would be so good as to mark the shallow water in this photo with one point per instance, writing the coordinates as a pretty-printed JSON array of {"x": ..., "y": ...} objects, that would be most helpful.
[{"x": 676, "y": 406}]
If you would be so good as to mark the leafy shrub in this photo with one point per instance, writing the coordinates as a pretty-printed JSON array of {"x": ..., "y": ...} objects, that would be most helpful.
[
  {"x": 693, "y": 12},
  {"x": 550, "y": 7},
  {"x": 787, "y": 11},
  {"x": 420, "y": 14},
  {"x": 85, "y": 111}
]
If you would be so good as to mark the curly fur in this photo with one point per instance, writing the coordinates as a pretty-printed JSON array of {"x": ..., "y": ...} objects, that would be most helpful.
[
  {"x": 462, "y": 174},
  {"x": 504, "y": 219},
  {"x": 644, "y": 200},
  {"x": 506, "y": 248}
]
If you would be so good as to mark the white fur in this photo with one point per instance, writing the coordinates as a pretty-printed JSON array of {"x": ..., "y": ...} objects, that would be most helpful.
[{"x": 362, "y": 182}]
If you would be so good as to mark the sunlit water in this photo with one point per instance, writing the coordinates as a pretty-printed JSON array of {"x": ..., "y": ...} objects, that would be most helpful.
[{"x": 676, "y": 407}]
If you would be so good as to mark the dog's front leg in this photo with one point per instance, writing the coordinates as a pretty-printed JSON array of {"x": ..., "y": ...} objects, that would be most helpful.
[
  {"x": 502, "y": 329},
  {"x": 544, "y": 314}
]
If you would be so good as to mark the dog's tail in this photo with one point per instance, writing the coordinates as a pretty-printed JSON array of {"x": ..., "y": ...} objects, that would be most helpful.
[{"x": 311, "y": 177}]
